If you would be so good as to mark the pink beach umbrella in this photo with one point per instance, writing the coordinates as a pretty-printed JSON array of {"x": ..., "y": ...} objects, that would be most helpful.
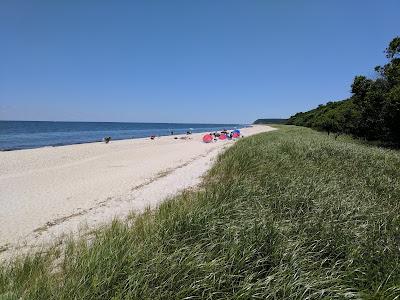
[
  {"x": 222, "y": 137},
  {"x": 235, "y": 135},
  {"x": 207, "y": 138}
]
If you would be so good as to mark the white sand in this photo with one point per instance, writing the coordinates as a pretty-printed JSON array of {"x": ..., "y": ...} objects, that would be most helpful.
[{"x": 49, "y": 191}]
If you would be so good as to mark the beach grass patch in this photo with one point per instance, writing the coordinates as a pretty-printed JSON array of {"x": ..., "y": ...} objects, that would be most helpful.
[{"x": 289, "y": 214}]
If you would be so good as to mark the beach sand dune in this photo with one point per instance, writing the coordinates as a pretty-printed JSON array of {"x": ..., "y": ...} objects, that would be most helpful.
[{"x": 49, "y": 191}]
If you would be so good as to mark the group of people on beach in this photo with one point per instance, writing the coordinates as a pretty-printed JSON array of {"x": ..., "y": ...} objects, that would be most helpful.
[
  {"x": 212, "y": 136},
  {"x": 223, "y": 135}
]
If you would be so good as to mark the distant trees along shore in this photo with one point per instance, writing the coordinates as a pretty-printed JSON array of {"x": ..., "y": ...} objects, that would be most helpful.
[{"x": 373, "y": 110}]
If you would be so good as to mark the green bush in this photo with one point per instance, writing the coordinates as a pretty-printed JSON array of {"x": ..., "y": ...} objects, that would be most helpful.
[{"x": 373, "y": 111}]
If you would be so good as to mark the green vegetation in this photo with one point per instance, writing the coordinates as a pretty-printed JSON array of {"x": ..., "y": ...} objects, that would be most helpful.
[
  {"x": 290, "y": 214},
  {"x": 270, "y": 121},
  {"x": 373, "y": 111}
]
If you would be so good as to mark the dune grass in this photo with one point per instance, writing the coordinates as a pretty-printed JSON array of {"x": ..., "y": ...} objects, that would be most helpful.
[{"x": 290, "y": 214}]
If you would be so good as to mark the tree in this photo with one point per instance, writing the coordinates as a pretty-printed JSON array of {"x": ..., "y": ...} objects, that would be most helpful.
[
  {"x": 394, "y": 48},
  {"x": 372, "y": 112},
  {"x": 392, "y": 114}
]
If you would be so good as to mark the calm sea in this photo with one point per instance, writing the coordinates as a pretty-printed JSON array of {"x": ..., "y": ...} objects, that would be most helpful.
[{"x": 33, "y": 134}]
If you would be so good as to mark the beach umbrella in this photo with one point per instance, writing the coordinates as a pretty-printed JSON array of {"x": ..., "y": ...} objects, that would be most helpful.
[
  {"x": 235, "y": 135},
  {"x": 236, "y": 131},
  {"x": 207, "y": 138},
  {"x": 222, "y": 137}
]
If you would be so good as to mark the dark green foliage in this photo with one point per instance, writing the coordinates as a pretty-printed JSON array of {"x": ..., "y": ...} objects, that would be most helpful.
[
  {"x": 373, "y": 111},
  {"x": 394, "y": 48},
  {"x": 270, "y": 121},
  {"x": 338, "y": 117},
  {"x": 291, "y": 214}
]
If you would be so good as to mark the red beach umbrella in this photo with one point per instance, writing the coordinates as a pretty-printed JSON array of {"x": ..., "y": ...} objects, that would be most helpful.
[
  {"x": 235, "y": 135},
  {"x": 222, "y": 137},
  {"x": 207, "y": 138}
]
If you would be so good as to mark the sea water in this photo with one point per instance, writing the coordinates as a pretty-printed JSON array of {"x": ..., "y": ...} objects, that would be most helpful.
[{"x": 33, "y": 134}]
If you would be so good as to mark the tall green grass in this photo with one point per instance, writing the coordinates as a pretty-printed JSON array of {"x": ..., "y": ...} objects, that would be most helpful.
[{"x": 291, "y": 214}]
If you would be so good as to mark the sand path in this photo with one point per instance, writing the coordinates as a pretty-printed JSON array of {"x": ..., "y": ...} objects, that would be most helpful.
[{"x": 54, "y": 190}]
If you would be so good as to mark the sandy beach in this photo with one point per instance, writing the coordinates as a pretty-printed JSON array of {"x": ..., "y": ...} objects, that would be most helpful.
[{"x": 50, "y": 191}]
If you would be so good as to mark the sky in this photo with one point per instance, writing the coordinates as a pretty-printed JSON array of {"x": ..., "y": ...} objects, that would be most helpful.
[{"x": 209, "y": 61}]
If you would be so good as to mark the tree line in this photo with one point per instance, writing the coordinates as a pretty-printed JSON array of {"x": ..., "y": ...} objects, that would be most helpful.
[
  {"x": 373, "y": 110},
  {"x": 270, "y": 121}
]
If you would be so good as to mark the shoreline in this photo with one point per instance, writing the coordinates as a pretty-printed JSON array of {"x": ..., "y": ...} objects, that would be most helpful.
[
  {"x": 133, "y": 137},
  {"x": 112, "y": 140},
  {"x": 52, "y": 191}
]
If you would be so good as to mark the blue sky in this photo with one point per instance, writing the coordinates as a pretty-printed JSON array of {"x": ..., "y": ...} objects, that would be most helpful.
[{"x": 185, "y": 61}]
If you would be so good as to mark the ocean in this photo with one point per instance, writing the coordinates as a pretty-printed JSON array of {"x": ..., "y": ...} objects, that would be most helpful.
[{"x": 34, "y": 134}]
